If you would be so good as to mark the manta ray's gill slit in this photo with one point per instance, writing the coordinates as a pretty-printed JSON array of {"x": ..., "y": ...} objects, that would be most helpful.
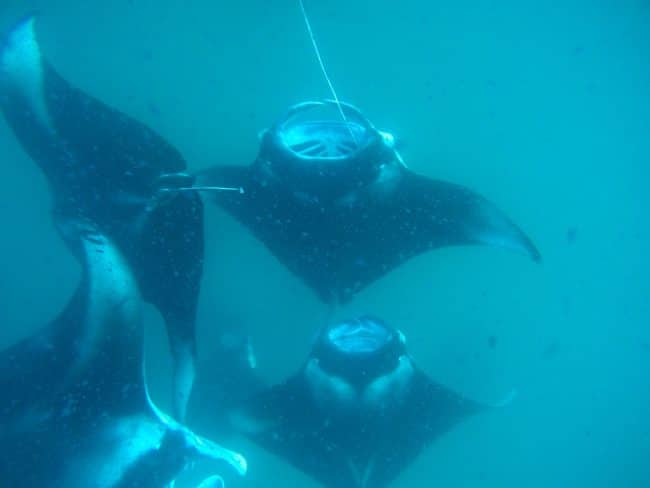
[
  {"x": 307, "y": 146},
  {"x": 322, "y": 67}
]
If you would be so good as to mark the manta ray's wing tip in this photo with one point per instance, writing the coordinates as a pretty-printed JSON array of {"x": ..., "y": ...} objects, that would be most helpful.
[
  {"x": 517, "y": 241},
  {"x": 534, "y": 253},
  {"x": 212, "y": 450},
  {"x": 527, "y": 245},
  {"x": 240, "y": 463},
  {"x": 24, "y": 26}
]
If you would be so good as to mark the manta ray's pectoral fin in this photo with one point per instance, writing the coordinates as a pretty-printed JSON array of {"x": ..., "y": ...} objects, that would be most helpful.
[
  {"x": 284, "y": 420},
  {"x": 338, "y": 247},
  {"x": 74, "y": 137},
  {"x": 405, "y": 216},
  {"x": 104, "y": 166},
  {"x": 270, "y": 409},
  {"x": 76, "y": 412},
  {"x": 432, "y": 213},
  {"x": 432, "y": 411},
  {"x": 169, "y": 267}
]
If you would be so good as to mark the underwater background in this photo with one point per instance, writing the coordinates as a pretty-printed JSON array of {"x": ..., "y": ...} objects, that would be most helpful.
[{"x": 542, "y": 107}]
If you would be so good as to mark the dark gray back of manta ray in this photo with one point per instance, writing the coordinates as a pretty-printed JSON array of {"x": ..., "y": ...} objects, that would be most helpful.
[
  {"x": 103, "y": 166},
  {"x": 335, "y": 453},
  {"x": 338, "y": 248}
]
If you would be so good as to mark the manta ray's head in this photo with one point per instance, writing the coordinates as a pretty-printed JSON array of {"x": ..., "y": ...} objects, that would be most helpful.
[
  {"x": 324, "y": 156},
  {"x": 359, "y": 364}
]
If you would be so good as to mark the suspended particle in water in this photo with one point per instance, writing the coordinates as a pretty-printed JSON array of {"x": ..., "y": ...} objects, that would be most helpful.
[{"x": 550, "y": 351}]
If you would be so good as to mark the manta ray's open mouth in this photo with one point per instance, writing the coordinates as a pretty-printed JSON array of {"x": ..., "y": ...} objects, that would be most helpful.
[
  {"x": 359, "y": 336},
  {"x": 359, "y": 350},
  {"x": 324, "y": 140},
  {"x": 313, "y": 152},
  {"x": 323, "y": 136}
]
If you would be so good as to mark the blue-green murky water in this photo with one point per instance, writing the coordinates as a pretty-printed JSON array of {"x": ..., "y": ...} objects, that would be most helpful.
[{"x": 542, "y": 108}]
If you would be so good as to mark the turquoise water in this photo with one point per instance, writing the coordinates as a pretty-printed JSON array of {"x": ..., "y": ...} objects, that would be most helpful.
[{"x": 543, "y": 109}]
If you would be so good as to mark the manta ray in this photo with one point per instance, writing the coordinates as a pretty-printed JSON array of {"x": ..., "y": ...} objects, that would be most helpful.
[
  {"x": 335, "y": 203},
  {"x": 75, "y": 411},
  {"x": 358, "y": 412},
  {"x": 105, "y": 167}
]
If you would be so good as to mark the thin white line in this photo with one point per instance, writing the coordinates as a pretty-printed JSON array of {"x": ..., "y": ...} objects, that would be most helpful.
[{"x": 322, "y": 67}]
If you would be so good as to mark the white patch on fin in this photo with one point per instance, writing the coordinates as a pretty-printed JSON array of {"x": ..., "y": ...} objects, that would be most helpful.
[
  {"x": 131, "y": 438},
  {"x": 21, "y": 65},
  {"x": 184, "y": 374},
  {"x": 388, "y": 391},
  {"x": 113, "y": 293},
  {"x": 200, "y": 446},
  {"x": 212, "y": 482},
  {"x": 331, "y": 393},
  {"x": 499, "y": 232}
]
